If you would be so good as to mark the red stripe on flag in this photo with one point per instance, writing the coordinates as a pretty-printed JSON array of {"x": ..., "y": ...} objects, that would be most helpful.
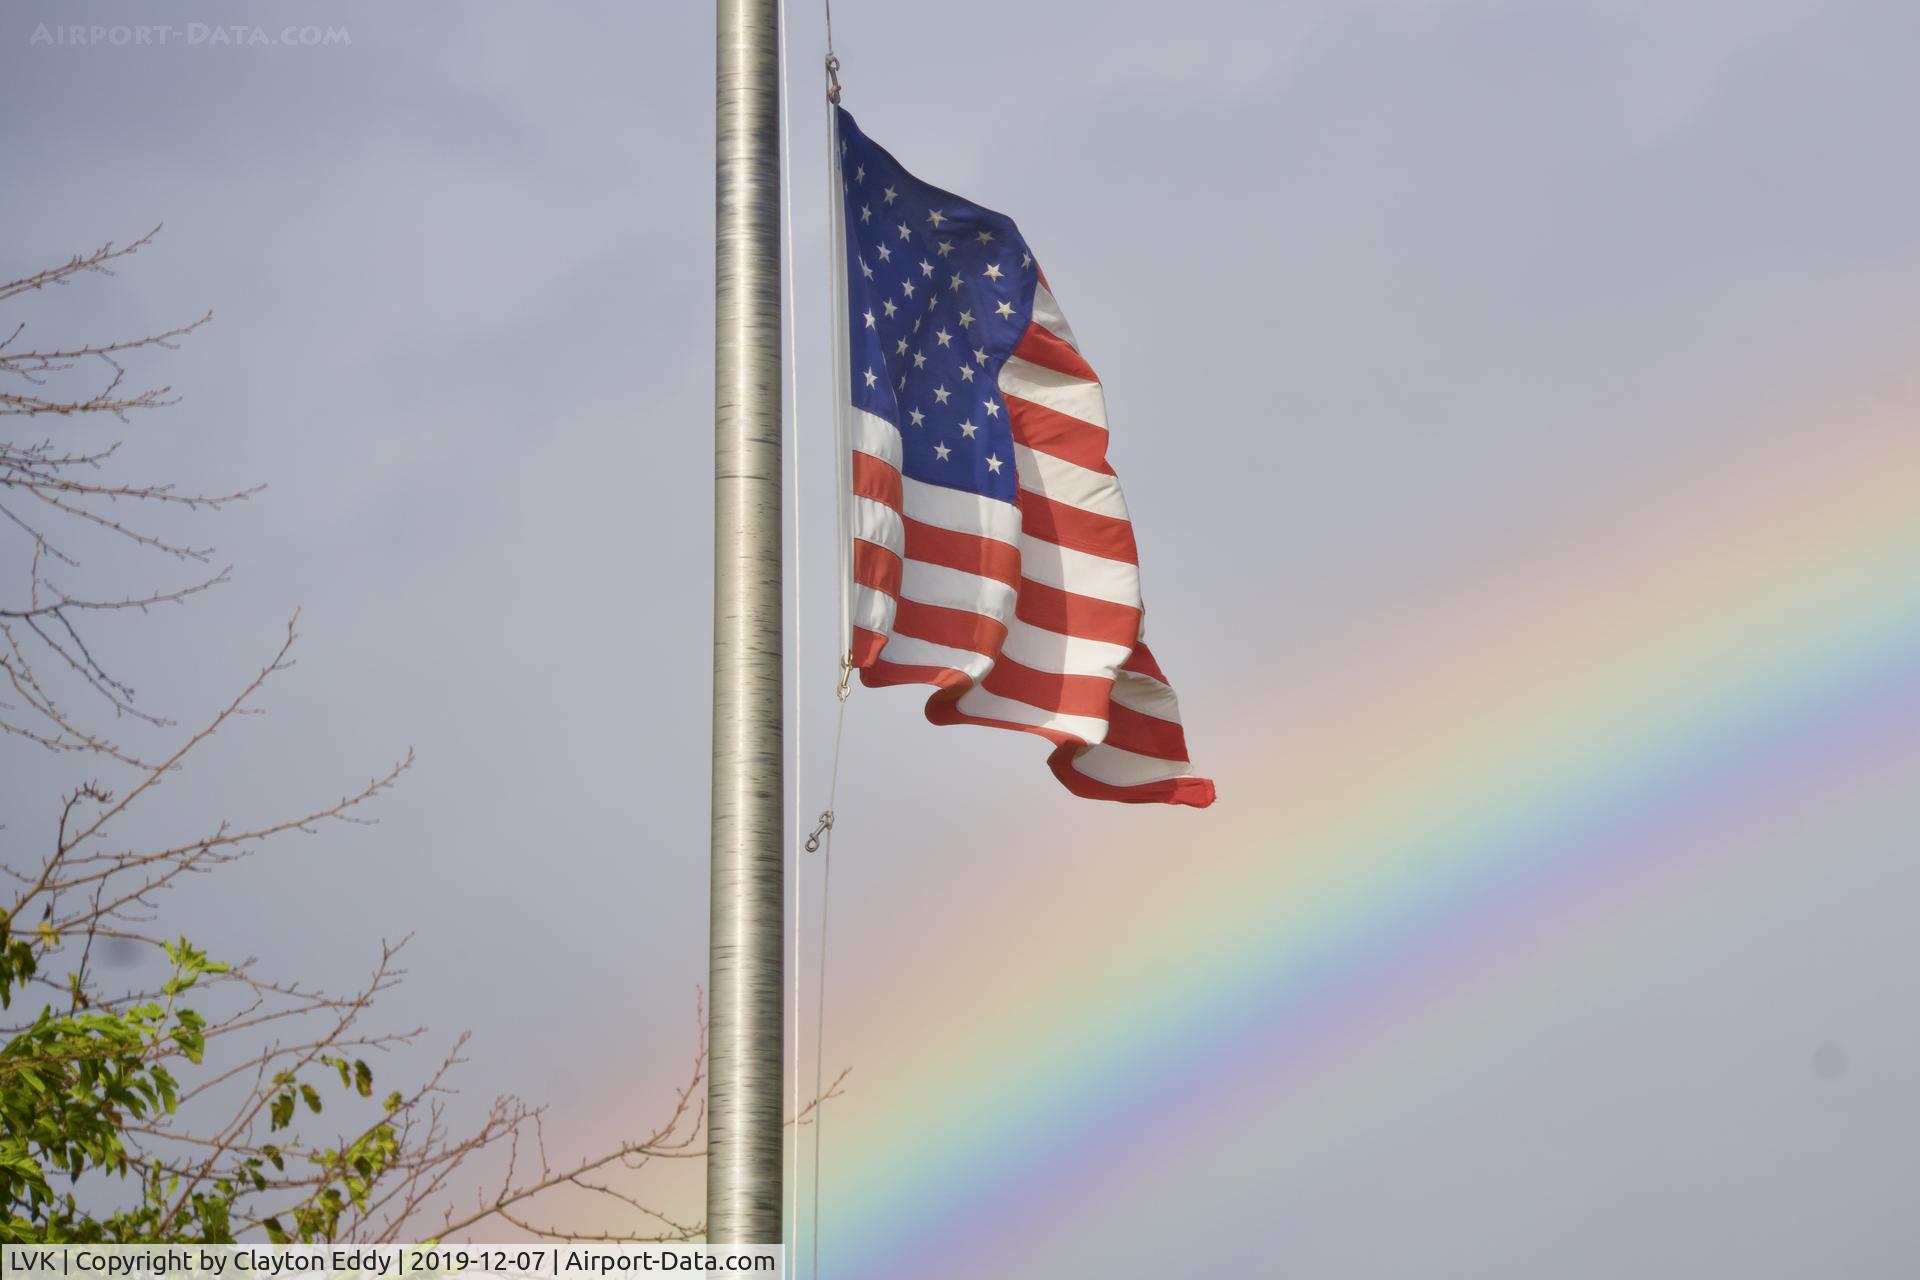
[
  {"x": 1051, "y": 351},
  {"x": 876, "y": 478},
  {"x": 1052, "y": 609},
  {"x": 866, "y": 646},
  {"x": 1073, "y": 695},
  {"x": 1141, "y": 662},
  {"x": 970, "y": 553},
  {"x": 1087, "y": 531},
  {"x": 955, "y": 628},
  {"x": 1059, "y": 434},
  {"x": 875, "y": 566},
  {"x": 1145, "y": 735},
  {"x": 941, "y": 710},
  {"x": 883, "y": 673},
  {"x": 1197, "y": 792}
]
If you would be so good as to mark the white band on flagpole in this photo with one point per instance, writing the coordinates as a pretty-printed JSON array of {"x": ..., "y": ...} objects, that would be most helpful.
[{"x": 842, "y": 390}]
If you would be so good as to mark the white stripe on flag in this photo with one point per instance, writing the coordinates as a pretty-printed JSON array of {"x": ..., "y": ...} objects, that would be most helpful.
[
  {"x": 1068, "y": 482},
  {"x": 877, "y": 436},
  {"x": 1080, "y": 573},
  {"x": 1064, "y": 393},
  {"x": 1146, "y": 695},
  {"x": 1118, "y": 768},
  {"x": 1043, "y": 650},
  {"x": 872, "y": 609},
  {"x": 961, "y": 512},
  {"x": 1047, "y": 314},
  {"x": 909, "y": 652},
  {"x": 936, "y": 584},
  {"x": 991, "y": 706},
  {"x": 879, "y": 523}
]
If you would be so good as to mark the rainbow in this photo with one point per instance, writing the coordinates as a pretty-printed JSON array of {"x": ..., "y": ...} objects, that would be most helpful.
[{"x": 1513, "y": 770}]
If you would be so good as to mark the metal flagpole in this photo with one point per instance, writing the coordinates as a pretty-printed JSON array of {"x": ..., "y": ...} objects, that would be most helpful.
[{"x": 744, "y": 1127}]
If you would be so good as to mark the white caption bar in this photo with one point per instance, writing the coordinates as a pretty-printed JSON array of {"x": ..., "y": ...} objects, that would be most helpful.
[{"x": 386, "y": 1261}]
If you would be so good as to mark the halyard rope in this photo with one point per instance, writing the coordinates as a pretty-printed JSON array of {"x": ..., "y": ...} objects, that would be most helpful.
[
  {"x": 799, "y": 636},
  {"x": 820, "y": 998},
  {"x": 843, "y": 535},
  {"x": 820, "y": 840}
]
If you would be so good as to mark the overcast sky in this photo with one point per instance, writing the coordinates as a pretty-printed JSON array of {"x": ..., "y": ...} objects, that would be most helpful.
[{"x": 1387, "y": 296}]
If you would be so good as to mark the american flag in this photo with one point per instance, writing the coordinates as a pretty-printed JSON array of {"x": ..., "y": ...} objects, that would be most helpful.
[{"x": 992, "y": 554}]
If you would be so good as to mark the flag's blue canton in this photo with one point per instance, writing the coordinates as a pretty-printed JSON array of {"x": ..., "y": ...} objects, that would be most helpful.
[{"x": 939, "y": 292}]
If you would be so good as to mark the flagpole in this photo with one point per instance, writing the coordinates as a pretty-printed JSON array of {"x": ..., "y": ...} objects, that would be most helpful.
[{"x": 744, "y": 1128}]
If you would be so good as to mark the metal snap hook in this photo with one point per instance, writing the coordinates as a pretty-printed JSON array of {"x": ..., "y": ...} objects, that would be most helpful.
[{"x": 826, "y": 824}]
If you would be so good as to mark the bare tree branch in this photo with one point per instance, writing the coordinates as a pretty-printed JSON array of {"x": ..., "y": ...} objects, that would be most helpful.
[{"x": 242, "y": 1127}]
